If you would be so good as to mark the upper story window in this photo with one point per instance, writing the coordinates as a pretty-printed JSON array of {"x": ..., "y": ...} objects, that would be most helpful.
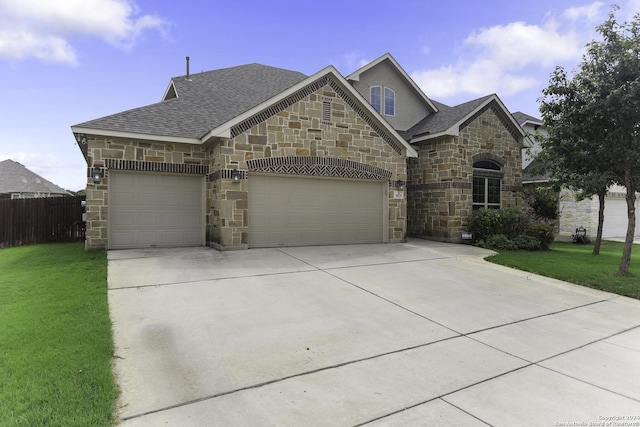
[
  {"x": 376, "y": 98},
  {"x": 389, "y": 102},
  {"x": 383, "y": 100}
]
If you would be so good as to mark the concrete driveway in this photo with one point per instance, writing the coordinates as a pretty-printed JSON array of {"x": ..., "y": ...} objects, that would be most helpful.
[{"x": 421, "y": 333}]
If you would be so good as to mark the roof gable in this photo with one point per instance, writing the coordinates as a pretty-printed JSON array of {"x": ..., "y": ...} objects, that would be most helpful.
[
  {"x": 192, "y": 107},
  {"x": 214, "y": 103},
  {"x": 355, "y": 76},
  {"x": 450, "y": 120},
  {"x": 16, "y": 178},
  {"x": 327, "y": 76}
]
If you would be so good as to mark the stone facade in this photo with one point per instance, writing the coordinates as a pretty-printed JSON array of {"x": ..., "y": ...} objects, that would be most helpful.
[
  {"x": 344, "y": 146},
  {"x": 440, "y": 193},
  {"x": 294, "y": 138},
  {"x": 108, "y": 153}
]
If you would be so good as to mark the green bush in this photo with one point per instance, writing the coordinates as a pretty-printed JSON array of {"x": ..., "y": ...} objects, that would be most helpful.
[
  {"x": 543, "y": 232},
  {"x": 488, "y": 222},
  {"x": 500, "y": 242},
  {"x": 527, "y": 243},
  {"x": 514, "y": 222},
  {"x": 484, "y": 223}
]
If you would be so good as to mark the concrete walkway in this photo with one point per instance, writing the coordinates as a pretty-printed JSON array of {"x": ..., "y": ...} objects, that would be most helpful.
[{"x": 422, "y": 333}]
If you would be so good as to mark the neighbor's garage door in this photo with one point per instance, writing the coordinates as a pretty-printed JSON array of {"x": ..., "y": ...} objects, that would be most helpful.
[
  {"x": 615, "y": 218},
  {"x": 155, "y": 210},
  {"x": 294, "y": 211}
]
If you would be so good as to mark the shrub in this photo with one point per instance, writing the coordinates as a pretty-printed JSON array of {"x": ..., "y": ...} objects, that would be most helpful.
[
  {"x": 543, "y": 232},
  {"x": 500, "y": 242},
  {"x": 484, "y": 223},
  {"x": 488, "y": 222},
  {"x": 527, "y": 243},
  {"x": 514, "y": 222}
]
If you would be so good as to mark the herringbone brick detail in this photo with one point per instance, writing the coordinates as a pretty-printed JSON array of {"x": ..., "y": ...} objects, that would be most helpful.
[{"x": 318, "y": 166}]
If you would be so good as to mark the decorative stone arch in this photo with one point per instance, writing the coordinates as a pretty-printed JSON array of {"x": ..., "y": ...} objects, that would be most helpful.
[
  {"x": 318, "y": 166},
  {"x": 490, "y": 157}
]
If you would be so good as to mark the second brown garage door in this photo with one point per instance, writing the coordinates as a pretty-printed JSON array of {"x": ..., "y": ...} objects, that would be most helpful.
[{"x": 295, "y": 211}]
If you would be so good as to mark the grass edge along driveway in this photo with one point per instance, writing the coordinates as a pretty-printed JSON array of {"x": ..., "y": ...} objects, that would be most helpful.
[
  {"x": 55, "y": 337},
  {"x": 576, "y": 264}
]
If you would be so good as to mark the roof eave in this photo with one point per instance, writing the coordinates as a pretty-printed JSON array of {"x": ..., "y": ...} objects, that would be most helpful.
[
  {"x": 134, "y": 135},
  {"x": 452, "y": 131}
]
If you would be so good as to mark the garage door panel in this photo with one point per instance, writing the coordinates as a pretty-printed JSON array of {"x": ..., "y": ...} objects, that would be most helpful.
[
  {"x": 615, "y": 218},
  {"x": 292, "y": 211},
  {"x": 155, "y": 210}
]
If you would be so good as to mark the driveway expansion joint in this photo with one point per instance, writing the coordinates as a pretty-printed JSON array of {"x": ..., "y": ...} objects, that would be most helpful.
[{"x": 287, "y": 377}]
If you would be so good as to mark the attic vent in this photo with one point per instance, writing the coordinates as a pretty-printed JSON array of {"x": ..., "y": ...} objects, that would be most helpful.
[{"x": 326, "y": 112}]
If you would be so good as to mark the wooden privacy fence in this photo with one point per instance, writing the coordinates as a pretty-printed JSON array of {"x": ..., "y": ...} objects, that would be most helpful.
[{"x": 42, "y": 220}]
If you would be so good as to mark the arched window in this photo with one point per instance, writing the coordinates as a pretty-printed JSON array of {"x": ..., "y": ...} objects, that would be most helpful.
[
  {"x": 383, "y": 100},
  {"x": 389, "y": 102},
  {"x": 376, "y": 98},
  {"x": 487, "y": 180}
]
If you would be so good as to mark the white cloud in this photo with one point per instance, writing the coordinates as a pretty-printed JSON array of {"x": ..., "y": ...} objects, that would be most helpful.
[
  {"x": 591, "y": 12},
  {"x": 355, "y": 61},
  {"x": 42, "y": 28},
  {"x": 514, "y": 57}
]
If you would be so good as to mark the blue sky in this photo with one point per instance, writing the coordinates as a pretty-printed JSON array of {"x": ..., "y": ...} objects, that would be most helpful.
[{"x": 64, "y": 62}]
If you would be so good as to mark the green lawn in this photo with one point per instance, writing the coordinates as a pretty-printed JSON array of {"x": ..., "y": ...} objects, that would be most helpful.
[
  {"x": 576, "y": 264},
  {"x": 55, "y": 337}
]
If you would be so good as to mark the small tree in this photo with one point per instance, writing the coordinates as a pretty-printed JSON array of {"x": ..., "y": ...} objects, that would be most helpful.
[
  {"x": 593, "y": 120},
  {"x": 543, "y": 202}
]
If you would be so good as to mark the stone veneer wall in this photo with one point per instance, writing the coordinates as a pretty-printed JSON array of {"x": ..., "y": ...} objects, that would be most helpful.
[
  {"x": 575, "y": 214},
  {"x": 440, "y": 193},
  {"x": 297, "y": 131},
  {"x": 104, "y": 153}
]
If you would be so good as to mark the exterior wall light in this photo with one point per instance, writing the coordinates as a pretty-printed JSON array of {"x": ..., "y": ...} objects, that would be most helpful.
[
  {"x": 97, "y": 175},
  {"x": 235, "y": 176},
  {"x": 400, "y": 185}
]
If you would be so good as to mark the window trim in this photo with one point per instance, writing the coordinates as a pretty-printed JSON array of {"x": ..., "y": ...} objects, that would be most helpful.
[
  {"x": 380, "y": 106},
  {"x": 485, "y": 204},
  {"x": 380, "y": 98},
  {"x": 495, "y": 173},
  {"x": 384, "y": 101}
]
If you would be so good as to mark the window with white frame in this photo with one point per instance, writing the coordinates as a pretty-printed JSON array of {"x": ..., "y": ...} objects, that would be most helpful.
[
  {"x": 389, "y": 102},
  {"x": 376, "y": 98},
  {"x": 383, "y": 100},
  {"x": 487, "y": 180}
]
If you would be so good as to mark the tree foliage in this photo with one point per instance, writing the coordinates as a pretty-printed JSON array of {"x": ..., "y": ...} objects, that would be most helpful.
[{"x": 593, "y": 119}]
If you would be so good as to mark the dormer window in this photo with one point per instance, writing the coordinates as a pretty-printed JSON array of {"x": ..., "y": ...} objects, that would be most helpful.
[{"x": 383, "y": 104}]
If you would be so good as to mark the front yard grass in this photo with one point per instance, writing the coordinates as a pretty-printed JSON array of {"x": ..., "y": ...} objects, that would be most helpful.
[
  {"x": 55, "y": 337},
  {"x": 576, "y": 264}
]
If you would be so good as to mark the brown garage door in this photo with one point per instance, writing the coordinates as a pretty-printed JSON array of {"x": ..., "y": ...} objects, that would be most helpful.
[
  {"x": 295, "y": 211},
  {"x": 155, "y": 210}
]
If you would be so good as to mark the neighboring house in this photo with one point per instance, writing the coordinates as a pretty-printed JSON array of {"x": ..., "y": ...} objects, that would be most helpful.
[
  {"x": 574, "y": 214},
  {"x": 533, "y": 127},
  {"x": 257, "y": 156},
  {"x": 18, "y": 182}
]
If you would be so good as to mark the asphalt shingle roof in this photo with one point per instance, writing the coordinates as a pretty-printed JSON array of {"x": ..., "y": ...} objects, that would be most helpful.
[
  {"x": 444, "y": 118},
  {"x": 534, "y": 173},
  {"x": 15, "y": 178},
  {"x": 204, "y": 101},
  {"x": 521, "y": 118}
]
